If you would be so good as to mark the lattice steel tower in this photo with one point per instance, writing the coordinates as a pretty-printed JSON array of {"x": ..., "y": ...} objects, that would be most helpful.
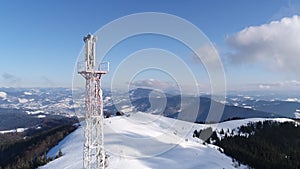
[{"x": 93, "y": 151}]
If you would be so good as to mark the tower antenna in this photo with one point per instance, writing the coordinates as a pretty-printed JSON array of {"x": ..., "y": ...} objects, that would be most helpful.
[{"x": 93, "y": 150}]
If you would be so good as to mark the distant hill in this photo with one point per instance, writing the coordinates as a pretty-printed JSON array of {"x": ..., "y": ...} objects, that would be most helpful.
[
  {"x": 20, "y": 118},
  {"x": 63, "y": 101},
  {"x": 172, "y": 108}
]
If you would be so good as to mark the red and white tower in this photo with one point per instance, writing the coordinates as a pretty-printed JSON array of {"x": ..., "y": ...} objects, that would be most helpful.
[{"x": 93, "y": 151}]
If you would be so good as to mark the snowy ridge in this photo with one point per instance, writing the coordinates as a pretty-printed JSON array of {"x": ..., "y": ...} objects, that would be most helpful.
[
  {"x": 17, "y": 130},
  {"x": 3, "y": 95},
  {"x": 297, "y": 115},
  {"x": 150, "y": 141},
  {"x": 292, "y": 100},
  {"x": 28, "y": 93}
]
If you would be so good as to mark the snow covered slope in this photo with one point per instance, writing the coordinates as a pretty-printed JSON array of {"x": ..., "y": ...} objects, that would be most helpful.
[{"x": 145, "y": 141}]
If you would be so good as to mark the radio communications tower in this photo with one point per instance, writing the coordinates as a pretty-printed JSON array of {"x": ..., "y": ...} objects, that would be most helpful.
[{"x": 93, "y": 151}]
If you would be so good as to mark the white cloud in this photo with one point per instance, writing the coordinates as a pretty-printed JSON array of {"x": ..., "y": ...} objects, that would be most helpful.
[
  {"x": 152, "y": 83},
  {"x": 291, "y": 85},
  {"x": 170, "y": 86},
  {"x": 263, "y": 86},
  {"x": 291, "y": 8},
  {"x": 276, "y": 45},
  {"x": 206, "y": 55}
]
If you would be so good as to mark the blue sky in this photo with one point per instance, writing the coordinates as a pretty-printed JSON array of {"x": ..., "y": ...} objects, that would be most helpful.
[{"x": 41, "y": 40}]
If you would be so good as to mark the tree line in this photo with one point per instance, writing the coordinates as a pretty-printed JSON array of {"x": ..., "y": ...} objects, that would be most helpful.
[
  {"x": 268, "y": 145},
  {"x": 31, "y": 152}
]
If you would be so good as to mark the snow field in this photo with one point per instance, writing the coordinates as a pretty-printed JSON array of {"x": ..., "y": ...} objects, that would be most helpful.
[{"x": 145, "y": 141}]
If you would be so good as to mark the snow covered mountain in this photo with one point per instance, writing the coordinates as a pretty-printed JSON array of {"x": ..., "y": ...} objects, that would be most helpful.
[
  {"x": 30, "y": 105},
  {"x": 63, "y": 101},
  {"x": 236, "y": 105},
  {"x": 56, "y": 101},
  {"x": 145, "y": 141}
]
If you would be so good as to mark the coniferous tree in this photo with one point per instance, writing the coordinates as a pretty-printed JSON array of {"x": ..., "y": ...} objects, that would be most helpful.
[{"x": 60, "y": 153}]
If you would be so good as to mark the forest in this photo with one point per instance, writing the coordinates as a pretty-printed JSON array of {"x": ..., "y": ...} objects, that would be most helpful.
[
  {"x": 28, "y": 150},
  {"x": 262, "y": 145}
]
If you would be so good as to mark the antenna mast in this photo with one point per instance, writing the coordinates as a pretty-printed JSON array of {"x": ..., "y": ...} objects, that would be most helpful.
[{"x": 93, "y": 151}]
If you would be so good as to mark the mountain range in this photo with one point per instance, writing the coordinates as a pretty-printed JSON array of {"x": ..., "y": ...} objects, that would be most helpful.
[{"x": 31, "y": 105}]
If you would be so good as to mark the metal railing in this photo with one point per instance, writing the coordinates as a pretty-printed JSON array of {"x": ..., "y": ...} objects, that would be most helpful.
[{"x": 103, "y": 67}]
